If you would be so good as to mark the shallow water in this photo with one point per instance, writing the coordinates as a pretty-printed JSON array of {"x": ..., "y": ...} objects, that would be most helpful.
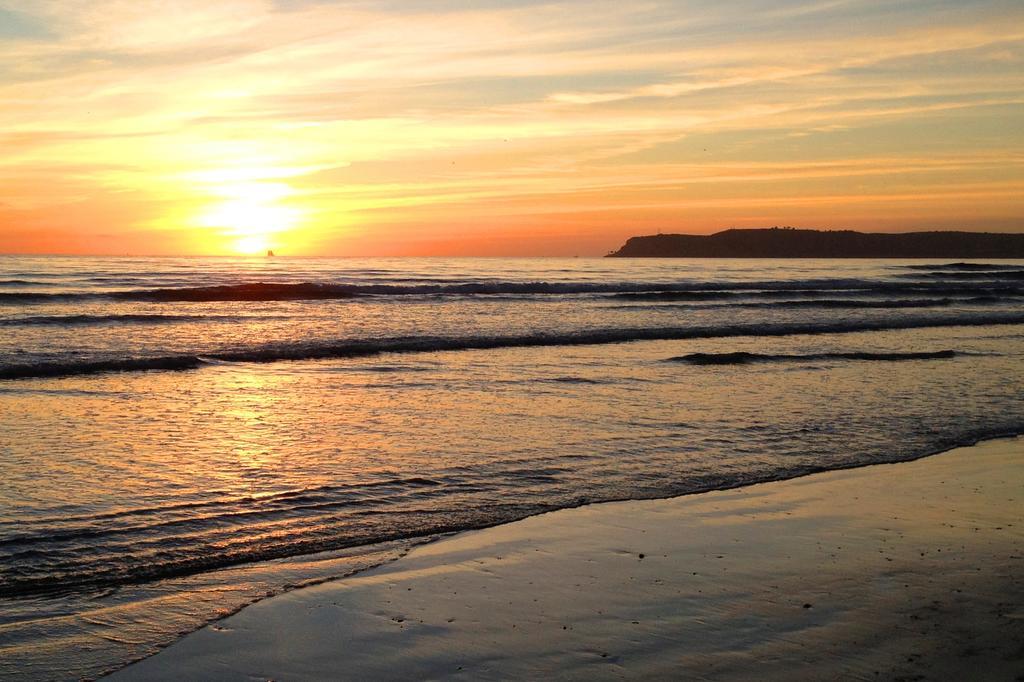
[{"x": 179, "y": 437}]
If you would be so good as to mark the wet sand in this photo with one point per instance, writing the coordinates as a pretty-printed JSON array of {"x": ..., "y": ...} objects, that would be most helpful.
[{"x": 905, "y": 571}]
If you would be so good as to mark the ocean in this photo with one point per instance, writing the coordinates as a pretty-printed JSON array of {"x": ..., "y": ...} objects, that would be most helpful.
[{"x": 180, "y": 437}]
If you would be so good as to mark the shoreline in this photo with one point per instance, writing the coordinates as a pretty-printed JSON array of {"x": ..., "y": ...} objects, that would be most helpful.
[
  {"x": 310, "y": 632},
  {"x": 415, "y": 541}
]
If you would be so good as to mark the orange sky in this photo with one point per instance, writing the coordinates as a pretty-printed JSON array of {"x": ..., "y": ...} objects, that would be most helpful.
[{"x": 390, "y": 127}]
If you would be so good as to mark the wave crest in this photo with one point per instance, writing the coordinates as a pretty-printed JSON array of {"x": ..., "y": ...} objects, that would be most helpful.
[
  {"x": 744, "y": 358},
  {"x": 347, "y": 348},
  {"x": 282, "y": 291}
]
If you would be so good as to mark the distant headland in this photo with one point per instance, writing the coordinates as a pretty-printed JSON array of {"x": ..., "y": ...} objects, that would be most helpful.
[{"x": 787, "y": 242}]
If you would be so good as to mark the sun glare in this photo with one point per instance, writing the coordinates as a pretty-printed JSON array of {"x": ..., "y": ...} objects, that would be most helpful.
[
  {"x": 250, "y": 218},
  {"x": 252, "y": 245}
]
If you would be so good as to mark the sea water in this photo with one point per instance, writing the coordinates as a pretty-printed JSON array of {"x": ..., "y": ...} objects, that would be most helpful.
[{"x": 181, "y": 437}]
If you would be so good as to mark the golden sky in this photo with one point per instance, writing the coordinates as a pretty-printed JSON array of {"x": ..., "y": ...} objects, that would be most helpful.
[{"x": 491, "y": 127}]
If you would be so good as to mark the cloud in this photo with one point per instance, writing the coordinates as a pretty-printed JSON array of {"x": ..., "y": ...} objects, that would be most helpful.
[
  {"x": 19, "y": 26},
  {"x": 378, "y": 105}
]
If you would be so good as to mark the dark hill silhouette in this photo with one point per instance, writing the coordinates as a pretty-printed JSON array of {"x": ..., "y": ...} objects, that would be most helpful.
[{"x": 792, "y": 243}]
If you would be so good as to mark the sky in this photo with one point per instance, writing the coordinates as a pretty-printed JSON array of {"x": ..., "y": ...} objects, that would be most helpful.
[{"x": 499, "y": 127}]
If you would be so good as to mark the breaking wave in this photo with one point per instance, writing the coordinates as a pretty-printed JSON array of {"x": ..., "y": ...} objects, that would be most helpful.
[
  {"x": 744, "y": 358},
  {"x": 346, "y": 348},
  {"x": 962, "y": 266},
  {"x": 132, "y": 318},
  {"x": 993, "y": 284}
]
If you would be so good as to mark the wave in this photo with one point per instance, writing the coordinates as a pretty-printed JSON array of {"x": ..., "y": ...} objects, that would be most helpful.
[
  {"x": 159, "y": 561},
  {"x": 258, "y": 291},
  {"x": 910, "y": 289},
  {"x": 349, "y": 348},
  {"x": 17, "y": 297},
  {"x": 743, "y": 358},
  {"x": 74, "y": 367},
  {"x": 972, "y": 275},
  {"x": 75, "y": 320},
  {"x": 840, "y": 304},
  {"x": 135, "y": 555},
  {"x": 271, "y": 291},
  {"x": 220, "y": 499},
  {"x": 572, "y": 380},
  {"x": 144, "y": 520},
  {"x": 963, "y": 266}
]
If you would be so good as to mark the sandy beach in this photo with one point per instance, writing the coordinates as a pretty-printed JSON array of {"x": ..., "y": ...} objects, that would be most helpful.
[{"x": 904, "y": 571}]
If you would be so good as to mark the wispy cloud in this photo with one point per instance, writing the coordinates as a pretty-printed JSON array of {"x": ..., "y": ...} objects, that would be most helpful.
[{"x": 379, "y": 114}]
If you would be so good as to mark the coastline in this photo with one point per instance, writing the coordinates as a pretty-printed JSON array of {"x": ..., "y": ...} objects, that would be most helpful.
[{"x": 895, "y": 570}]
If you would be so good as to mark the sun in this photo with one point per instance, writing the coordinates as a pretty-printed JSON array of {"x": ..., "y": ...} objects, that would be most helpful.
[
  {"x": 252, "y": 245},
  {"x": 250, "y": 217}
]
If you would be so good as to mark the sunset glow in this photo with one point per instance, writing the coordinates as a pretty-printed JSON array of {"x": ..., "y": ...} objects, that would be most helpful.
[
  {"x": 499, "y": 128},
  {"x": 329, "y": 327},
  {"x": 251, "y": 217}
]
